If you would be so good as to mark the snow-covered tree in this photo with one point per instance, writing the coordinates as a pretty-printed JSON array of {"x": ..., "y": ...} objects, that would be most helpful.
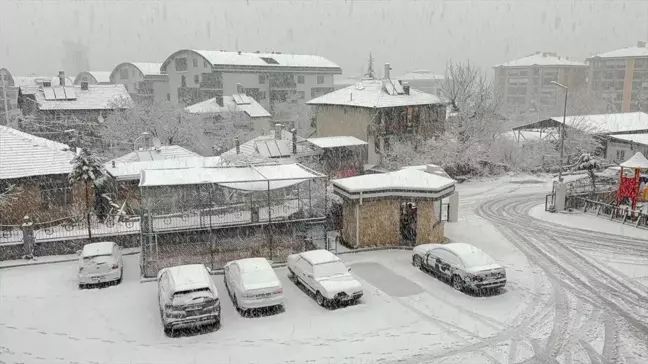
[
  {"x": 87, "y": 170},
  {"x": 296, "y": 115},
  {"x": 8, "y": 193},
  {"x": 589, "y": 163},
  {"x": 370, "y": 67}
]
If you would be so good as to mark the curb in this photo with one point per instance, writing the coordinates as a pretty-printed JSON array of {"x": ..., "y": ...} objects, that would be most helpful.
[{"x": 66, "y": 260}]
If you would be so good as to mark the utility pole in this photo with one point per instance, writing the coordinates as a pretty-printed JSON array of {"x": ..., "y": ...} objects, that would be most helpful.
[{"x": 562, "y": 131}]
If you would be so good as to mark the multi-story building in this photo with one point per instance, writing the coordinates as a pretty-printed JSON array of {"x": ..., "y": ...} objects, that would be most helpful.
[
  {"x": 621, "y": 77},
  {"x": 525, "y": 84},
  {"x": 143, "y": 81},
  {"x": 379, "y": 112},
  {"x": 270, "y": 78},
  {"x": 93, "y": 78}
]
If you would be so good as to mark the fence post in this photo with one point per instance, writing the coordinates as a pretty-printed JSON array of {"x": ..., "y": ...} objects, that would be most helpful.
[{"x": 29, "y": 241}]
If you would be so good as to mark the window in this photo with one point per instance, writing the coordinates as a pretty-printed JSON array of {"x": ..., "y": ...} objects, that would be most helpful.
[
  {"x": 183, "y": 81},
  {"x": 181, "y": 64},
  {"x": 55, "y": 195},
  {"x": 195, "y": 62},
  {"x": 320, "y": 79},
  {"x": 269, "y": 60},
  {"x": 196, "y": 79},
  {"x": 168, "y": 97},
  {"x": 620, "y": 155},
  {"x": 301, "y": 95},
  {"x": 377, "y": 145},
  {"x": 123, "y": 74},
  {"x": 300, "y": 79},
  {"x": 262, "y": 79},
  {"x": 206, "y": 64},
  {"x": 319, "y": 91},
  {"x": 85, "y": 78}
]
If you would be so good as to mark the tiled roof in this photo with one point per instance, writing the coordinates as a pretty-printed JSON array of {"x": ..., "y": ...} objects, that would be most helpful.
[
  {"x": 376, "y": 94},
  {"x": 148, "y": 68},
  {"x": 25, "y": 155},
  {"x": 218, "y": 58},
  {"x": 246, "y": 104},
  {"x": 164, "y": 152},
  {"x": 542, "y": 59},
  {"x": 251, "y": 147},
  {"x": 96, "y": 97},
  {"x": 625, "y": 52}
]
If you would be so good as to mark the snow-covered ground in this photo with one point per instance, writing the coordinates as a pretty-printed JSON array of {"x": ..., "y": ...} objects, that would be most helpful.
[{"x": 573, "y": 296}]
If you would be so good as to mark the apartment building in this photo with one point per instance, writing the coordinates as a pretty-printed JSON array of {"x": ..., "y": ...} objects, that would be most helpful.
[
  {"x": 621, "y": 77},
  {"x": 143, "y": 81},
  {"x": 270, "y": 78},
  {"x": 380, "y": 112},
  {"x": 526, "y": 83}
]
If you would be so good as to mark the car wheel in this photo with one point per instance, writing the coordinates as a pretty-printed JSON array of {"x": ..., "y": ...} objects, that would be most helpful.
[
  {"x": 293, "y": 277},
  {"x": 417, "y": 262},
  {"x": 235, "y": 302},
  {"x": 168, "y": 330},
  {"x": 457, "y": 283},
  {"x": 320, "y": 299},
  {"x": 82, "y": 286}
]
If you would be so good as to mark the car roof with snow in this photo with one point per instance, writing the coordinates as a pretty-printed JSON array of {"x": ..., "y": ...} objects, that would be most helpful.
[
  {"x": 253, "y": 264},
  {"x": 471, "y": 255},
  {"x": 319, "y": 256},
  {"x": 188, "y": 277},
  {"x": 100, "y": 248}
]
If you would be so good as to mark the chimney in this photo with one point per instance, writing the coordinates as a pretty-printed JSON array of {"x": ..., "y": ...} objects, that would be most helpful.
[
  {"x": 62, "y": 78},
  {"x": 238, "y": 145},
  {"x": 278, "y": 129},
  {"x": 113, "y": 164},
  {"x": 294, "y": 140},
  {"x": 641, "y": 44},
  {"x": 406, "y": 88},
  {"x": 239, "y": 89},
  {"x": 387, "y": 69},
  {"x": 84, "y": 85},
  {"x": 351, "y": 96},
  {"x": 239, "y": 52}
]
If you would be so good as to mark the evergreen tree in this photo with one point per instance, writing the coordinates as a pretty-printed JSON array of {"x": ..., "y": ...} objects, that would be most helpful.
[{"x": 87, "y": 169}]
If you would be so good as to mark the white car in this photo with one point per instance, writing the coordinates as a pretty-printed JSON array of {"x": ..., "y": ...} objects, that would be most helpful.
[
  {"x": 464, "y": 265},
  {"x": 252, "y": 283},
  {"x": 324, "y": 274},
  {"x": 100, "y": 263},
  {"x": 187, "y": 297}
]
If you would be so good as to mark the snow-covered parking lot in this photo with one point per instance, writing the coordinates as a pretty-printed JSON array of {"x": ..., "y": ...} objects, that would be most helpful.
[{"x": 405, "y": 313}]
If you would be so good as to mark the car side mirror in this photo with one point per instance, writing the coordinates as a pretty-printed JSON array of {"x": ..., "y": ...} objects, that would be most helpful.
[
  {"x": 349, "y": 269},
  {"x": 78, "y": 252}
]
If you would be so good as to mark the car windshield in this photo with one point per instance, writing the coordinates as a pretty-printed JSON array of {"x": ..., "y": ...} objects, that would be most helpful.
[
  {"x": 329, "y": 269},
  {"x": 477, "y": 258}
]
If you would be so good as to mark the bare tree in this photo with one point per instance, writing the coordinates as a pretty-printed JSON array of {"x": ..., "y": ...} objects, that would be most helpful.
[{"x": 370, "y": 67}]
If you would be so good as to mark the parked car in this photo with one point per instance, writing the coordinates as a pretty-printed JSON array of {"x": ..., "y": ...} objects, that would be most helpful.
[
  {"x": 322, "y": 273},
  {"x": 100, "y": 263},
  {"x": 187, "y": 297},
  {"x": 252, "y": 283},
  {"x": 464, "y": 265}
]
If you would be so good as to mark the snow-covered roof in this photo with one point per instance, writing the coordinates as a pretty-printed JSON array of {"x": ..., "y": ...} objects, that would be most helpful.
[
  {"x": 430, "y": 168},
  {"x": 163, "y": 152},
  {"x": 100, "y": 248},
  {"x": 607, "y": 123},
  {"x": 635, "y": 138},
  {"x": 148, "y": 68},
  {"x": 32, "y": 81},
  {"x": 99, "y": 76},
  {"x": 542, "y": 59},
  {"x": 421, "y": 75},
  {"x": 637, "y": 161},
  {"x": 26, "y": 155},
  {"x": 249, "y": 178},
  {"x": 252, "y": 147},
  {"x": 96, "y": 97},
  {"x": 131, "y": 171},
  {"x": 636, "y": 51},
  {"x": 470, "y": 255},
  {"x": 189, "y": 277},
  {"x": 224, "y": 59},
  {"x": 405, "y": 182},
  {"x": 376, "y": 94},
  {"x": 319, "y": 256},
  {"x": 253, "y": 264},
  {"x": 234, "y": 103},
  {"x": 336, "y": 141}
]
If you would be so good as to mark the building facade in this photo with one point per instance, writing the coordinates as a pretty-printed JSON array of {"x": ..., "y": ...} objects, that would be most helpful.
[
  {"x": 271, "y": 79},
  {"x": 621, "y": 77},
  {"x": 526, "y": 84},
  {"x": 424, "y": 80},
  {"x": 143, "y": 81}
]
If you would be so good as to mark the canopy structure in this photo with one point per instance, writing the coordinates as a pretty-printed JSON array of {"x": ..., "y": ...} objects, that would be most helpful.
[
  {"x": 249, "y": 178},
  {"x": 629, "y": 184},
  {"x": 638, "y": 161}
]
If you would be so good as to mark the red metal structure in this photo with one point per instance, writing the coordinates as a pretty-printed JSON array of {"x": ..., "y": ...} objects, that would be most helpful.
[{"x": 629, "y": 185}]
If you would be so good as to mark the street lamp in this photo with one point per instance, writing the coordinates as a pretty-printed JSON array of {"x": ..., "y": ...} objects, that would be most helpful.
[{"x": 562, "y": 132}]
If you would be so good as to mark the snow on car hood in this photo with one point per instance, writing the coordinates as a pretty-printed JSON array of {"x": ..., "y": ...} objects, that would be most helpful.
[
  {"x": 342, "y": 283},
  {"x": 484, "y": 268}
]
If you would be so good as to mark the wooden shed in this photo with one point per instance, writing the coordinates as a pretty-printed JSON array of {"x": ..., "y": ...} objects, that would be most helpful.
[{"x": 395, "y": 208}]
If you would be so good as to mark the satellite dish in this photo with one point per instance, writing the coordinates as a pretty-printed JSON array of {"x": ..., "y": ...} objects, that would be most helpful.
[{"x": 156, "y": 143}]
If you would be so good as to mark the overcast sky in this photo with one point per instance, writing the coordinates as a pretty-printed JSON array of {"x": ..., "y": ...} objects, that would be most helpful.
[{"x": 408, "y": 34}]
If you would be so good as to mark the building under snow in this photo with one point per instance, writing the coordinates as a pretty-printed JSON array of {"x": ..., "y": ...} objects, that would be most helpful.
[
  {"x": 93, "y": 78},
  {"x": 144, "y": 81}
]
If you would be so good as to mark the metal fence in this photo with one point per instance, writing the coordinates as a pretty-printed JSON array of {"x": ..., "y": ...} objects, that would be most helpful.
[{"x": 638, "y": 218}]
